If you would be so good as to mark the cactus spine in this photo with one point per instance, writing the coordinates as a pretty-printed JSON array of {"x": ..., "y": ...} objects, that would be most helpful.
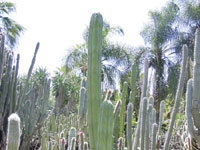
[
  {"x": 178, "y": 95},
  {"x": 13, "y": 135},
  {"x": 94, "y": 76}
]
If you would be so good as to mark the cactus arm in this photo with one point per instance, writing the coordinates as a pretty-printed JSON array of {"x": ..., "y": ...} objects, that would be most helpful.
[
  {"x": 94, "y": 76},
  {"x": 177, "y": 98}
]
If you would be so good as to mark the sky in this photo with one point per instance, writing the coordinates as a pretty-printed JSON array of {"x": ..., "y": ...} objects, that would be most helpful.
[{"x": 59, "y": 24}]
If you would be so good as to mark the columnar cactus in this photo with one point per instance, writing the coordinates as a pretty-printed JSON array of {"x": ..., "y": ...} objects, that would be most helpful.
[
  {"x": 134, "y": 73},
  {"x": 143, "y": 122},
  {"x": 13, "y": 135},
  {"x": 144, "y": 92},
  {"x": 154, "y": 133},
  {"x": 94, "y": 77},
  {"x": 116, "y": 124},
  {"x": 129, "y": 125},
  {"x": 82, "y": 112},
  {"x": 71, "y": 134},
  {"x": 193, "y": 94},
  {"x": 178, "y": 95},
  {"x": 123, "y": 109},
  {"x": 105, "y": 127}
]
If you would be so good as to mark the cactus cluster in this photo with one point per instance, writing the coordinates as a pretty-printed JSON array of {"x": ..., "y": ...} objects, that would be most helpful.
[
  {"x": 101, "y": 124},
  {"x": 193, "y": 95}
]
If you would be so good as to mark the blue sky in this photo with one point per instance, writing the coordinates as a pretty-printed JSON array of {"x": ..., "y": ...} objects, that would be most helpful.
[{"x": 59, "y": 25}]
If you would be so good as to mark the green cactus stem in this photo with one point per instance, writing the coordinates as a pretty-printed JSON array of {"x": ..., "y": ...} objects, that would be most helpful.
[
  {"x": 94, "y": 77},
  {"x": 129, "y": 125},
  {"x": 72, "y": 133},
  {"x": 144, "y": 92},
  {"x": 154, "y": 132},
  {"x": 134, "y": 73},
  {"x": 123, "y": 109},
  {"x": 116, "y": 124},
  {"x": 143, "y": 122},
  {"x": 105, "y": 126},
  {"x": 178, "y": 95}
]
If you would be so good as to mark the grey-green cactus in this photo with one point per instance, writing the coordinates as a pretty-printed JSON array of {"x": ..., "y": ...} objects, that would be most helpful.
[
  {"x": 13, "y": 134},
  {"x": 193, "y": 94},
  {"x": 129, "y": 126},
  {"x": 94, "y": 76},
  {"x": 71, "y": 134},
  {"x": 105, "y": 127},
  {"x": 123, "y": 109},
  {"x": 134, "y": 73},
  {"x": 178, "y": 95},
  {"x": 154, "y": 133}
]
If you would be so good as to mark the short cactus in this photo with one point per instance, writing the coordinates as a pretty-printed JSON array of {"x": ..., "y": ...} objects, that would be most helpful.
[{"x": 13, "y": 135}]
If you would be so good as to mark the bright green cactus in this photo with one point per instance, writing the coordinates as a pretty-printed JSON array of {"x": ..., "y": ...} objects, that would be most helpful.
[
  {"x": 13, "y": 135},
  {"x": 94, "y": 77}
]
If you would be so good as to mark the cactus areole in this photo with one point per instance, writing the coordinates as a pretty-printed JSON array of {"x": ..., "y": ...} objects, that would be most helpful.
[{"x": 94, "y": 76}]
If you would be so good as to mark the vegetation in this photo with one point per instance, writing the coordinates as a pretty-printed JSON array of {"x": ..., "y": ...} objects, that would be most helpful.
[{"x": 83, "y": 115}]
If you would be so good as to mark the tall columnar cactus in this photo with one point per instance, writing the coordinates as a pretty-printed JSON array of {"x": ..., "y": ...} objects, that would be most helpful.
[
  {"x": 105, "y": 127},
  {"x": 13, "y": 135},
  {"x": 144, "y": 92},
  {"x": 129, "y": 125},
  {"x": 116, "y": 124},
  {"x": 143, "y": 122},
  {"x": 178, "y": 95},
  {"x": 134, "y": 73},
  {"x": 193, "y": 94},
  {"x": 123, "y": 109},
  {"x": 94, "y": 77}
]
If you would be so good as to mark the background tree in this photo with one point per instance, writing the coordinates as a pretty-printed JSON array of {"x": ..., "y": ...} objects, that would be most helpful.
[
  {"x": 159, "y": 34},
  {"x": 12, "y": 29},
  {"x": 115, "y": 59}
]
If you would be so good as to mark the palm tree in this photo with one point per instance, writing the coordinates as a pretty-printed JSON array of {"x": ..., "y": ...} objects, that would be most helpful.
[
  {"x": 8, "y": 26},
  {"x": 158, "y": 36},
  {"x": 115, "y": 59}
]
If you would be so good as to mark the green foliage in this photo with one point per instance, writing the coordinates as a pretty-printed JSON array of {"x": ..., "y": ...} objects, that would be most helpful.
[
  {"x": 12, "y": 29},
  {"x": 66, "y": 83}
]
